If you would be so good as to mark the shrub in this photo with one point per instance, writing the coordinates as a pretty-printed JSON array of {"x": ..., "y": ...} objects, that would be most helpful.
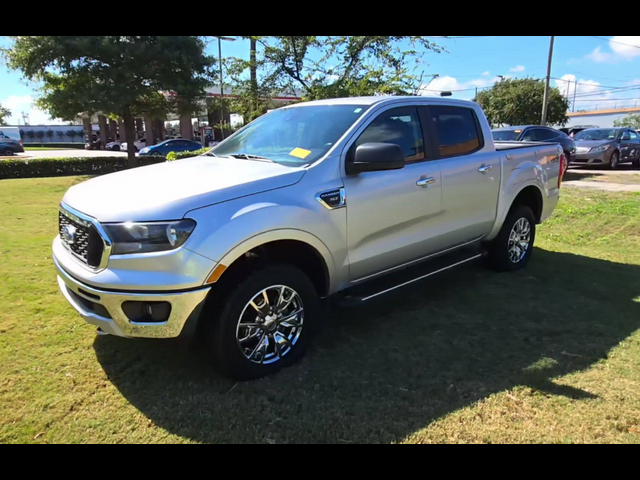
[
  {"x": 173, "y": 156},
  {"x": 65, "y": 167}
]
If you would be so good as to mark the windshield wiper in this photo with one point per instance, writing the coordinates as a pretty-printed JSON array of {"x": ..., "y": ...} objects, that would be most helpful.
[{"x": 246, "y": 156}]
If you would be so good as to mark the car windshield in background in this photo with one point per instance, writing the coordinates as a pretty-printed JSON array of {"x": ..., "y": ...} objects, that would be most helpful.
[
  {"x": 597, "y": 135},
  {"x": 507, "y": 135},
  {"x": 292, "y": 136}
]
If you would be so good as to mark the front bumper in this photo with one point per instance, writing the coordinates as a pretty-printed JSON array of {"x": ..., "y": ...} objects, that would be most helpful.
[
  {"x": 104, "y": 310},
  {"x": 600, "y": 158}
]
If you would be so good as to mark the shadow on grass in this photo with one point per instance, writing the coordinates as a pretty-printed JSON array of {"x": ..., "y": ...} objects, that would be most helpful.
[{"x": 383, "y": 372}]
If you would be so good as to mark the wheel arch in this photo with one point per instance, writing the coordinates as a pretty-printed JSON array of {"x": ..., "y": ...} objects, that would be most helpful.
[
  {"x": 532, "y": 197},
  {"x": 292, "y": 247}
]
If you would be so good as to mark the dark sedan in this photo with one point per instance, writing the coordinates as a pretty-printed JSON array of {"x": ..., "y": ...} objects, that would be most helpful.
[
  {"x": 534, "y": 133},
  {"x": 164, "y": 148}
]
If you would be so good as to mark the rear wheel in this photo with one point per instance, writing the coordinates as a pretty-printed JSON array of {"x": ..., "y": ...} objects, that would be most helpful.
[
  {"x": 513, "y": 248},
  {"x": 615, "y": 161},
  {"x": 267, "y": 324},
  {"x": 8, "y": 153},
  {"x": 636, "y": 162}
]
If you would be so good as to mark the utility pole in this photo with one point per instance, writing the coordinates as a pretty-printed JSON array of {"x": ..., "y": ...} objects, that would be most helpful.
[
  {"x": 575, "y": 96},
  {"x": 254, "y": 76},
  {"x": 220, "y": 40},
  {"x": 547, "y": 91}
]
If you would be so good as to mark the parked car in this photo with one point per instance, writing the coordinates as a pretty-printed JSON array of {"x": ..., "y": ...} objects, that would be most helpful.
[
  {"x": 573, "y": 131},
  {"x": 169, "y": 146},
  {"x": 608, "y": 146},
  {"x": 114, "y": 146},
  {"x": 10, "y": 141},
  {"x": 534, "y": 133},
  {"x": 239, "y": 246},
  {"x": 140, "y": 145}
]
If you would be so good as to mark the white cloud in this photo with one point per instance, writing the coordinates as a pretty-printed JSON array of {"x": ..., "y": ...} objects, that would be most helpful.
[
  {"x": 626, "y": 47},
  {"x": 518, "y": 69},
  {"x": 451, "y": 84},
  {"x": 20, "y": 104},
  {"x": 622, "y": 48},
  {"x": 486, "y": 74}
]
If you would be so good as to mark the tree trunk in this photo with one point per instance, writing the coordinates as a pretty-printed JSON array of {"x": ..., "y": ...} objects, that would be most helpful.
[
  {"x": 149, "y": 131},
  {"x": 130, "y": 137},
  {"x": 88, "y": 129},
  {"x": 104, "y": 131},
  {"x": 254, "y": 66}
]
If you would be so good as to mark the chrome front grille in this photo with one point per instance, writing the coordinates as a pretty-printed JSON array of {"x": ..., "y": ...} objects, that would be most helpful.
[{"x": 81, "y": 237}]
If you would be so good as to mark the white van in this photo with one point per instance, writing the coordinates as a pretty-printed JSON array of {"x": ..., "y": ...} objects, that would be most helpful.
[{"x": 10, "y": 141}]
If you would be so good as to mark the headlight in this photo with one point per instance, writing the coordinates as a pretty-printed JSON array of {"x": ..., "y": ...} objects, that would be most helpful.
[
  {"x": 144, "y": 151},
  {"x": 130, "y": 238},
  {"x": 601, "y": 149}
]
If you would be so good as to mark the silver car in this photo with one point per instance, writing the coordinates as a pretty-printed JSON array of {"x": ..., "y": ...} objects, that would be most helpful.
[{"x": 607, "y": 146}]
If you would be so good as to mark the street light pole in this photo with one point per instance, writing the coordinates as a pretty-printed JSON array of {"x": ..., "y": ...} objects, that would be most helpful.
[
  {"x": 547, "y": 91},
  {"x": 220, "y": 39}
]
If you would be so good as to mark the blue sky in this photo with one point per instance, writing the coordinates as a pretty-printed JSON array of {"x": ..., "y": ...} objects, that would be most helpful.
[{"x": 607, "y": 69}]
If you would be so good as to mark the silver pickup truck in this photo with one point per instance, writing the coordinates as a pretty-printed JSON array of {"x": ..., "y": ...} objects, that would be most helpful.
[{"x": 309, "y": 201}]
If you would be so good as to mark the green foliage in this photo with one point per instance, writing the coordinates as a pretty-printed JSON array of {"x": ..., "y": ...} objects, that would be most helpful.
[
  {"x": 632, "y": 121},
  {"x": 63, "y": 167},
  {"x": 61, "y": 134},
  {"x": 31, "y": 134},
  {"x": 328, "y": 67},
  {"x": 173, "y": 156},
  {"x": 5, "y": 113},
  {"x": 40, "y": 134},
  {"x": 520, "y": 102},
  {"x": 117, "y": 75},
  {"x": 50, "y": 134},
  {"x": 72, "y": 134}
]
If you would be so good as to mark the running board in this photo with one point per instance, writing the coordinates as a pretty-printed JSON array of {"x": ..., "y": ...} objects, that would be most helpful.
[{"x": 407, "y": 278}]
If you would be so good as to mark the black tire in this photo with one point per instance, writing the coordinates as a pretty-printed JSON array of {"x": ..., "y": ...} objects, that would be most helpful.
[
  {"x": 636, "y": 162},
  {"x": 8, "y": 153},
  {"x": 222, "y": 330},
  {"x": 615, "y": 161},
  {"x": 500, "y": 255}
]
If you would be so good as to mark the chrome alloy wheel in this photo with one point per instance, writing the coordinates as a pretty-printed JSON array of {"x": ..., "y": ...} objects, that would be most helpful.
[
  {"x": 270, "y": 325},
  {"x": 520, "y": 241}
]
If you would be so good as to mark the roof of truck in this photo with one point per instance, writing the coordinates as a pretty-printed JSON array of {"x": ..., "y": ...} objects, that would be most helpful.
[{"x": 370, "y": 101}]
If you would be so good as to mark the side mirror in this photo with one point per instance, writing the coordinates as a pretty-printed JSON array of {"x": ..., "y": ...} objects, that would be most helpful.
[{"x": 376, "y": 157}]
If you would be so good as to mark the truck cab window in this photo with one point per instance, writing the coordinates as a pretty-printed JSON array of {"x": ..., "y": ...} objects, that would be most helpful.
[
  {"x": 457, "y": 131},
  {"x": 401, "y": 127}
]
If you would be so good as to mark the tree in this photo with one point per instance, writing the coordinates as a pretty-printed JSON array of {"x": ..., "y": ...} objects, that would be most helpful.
[
  {"x": 632, "y": 121},
  {"x": 328, "y": 67},
  {"x": 5, "y": 113},
  {"x": 124, "y": 76},
  {"x": 61, "y": 135},
  {"x": 520, "y": 102},
  {"x": 31, "y": 135},
  {"x": 50, "y": 135},
  {"x": 40, "y": 135}
]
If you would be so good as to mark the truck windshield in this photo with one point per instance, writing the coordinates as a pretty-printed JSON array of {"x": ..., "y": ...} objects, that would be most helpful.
[
  {"x": 597, "y": 135},
  {"x": 292, "y": 136},
  {"x": 507, "y": 135}
]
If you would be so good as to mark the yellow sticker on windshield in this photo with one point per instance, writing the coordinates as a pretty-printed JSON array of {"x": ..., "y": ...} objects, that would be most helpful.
[{"x": 300, "y": 153}]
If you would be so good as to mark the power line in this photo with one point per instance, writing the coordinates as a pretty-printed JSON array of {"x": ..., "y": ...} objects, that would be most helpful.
[{"x": 615, "y": 41}]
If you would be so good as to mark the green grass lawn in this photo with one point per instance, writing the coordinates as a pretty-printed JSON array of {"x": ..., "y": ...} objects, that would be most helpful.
[{"x": 550, "y": 354}]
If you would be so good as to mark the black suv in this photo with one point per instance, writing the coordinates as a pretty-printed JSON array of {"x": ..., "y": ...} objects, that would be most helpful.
[{"x": 534, "y": 133}]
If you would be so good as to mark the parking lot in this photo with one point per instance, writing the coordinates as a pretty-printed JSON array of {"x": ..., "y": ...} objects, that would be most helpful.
[{"x": 69, "y": 153}]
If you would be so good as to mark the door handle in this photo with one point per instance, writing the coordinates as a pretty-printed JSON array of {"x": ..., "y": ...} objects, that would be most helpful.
[
  {"x": 424, "y": 183},
  {"x": 485, "y": 169}
]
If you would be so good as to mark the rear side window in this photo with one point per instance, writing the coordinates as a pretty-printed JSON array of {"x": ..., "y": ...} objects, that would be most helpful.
[
  {"x": 401, "y": 127},
  {"x": 457, "y": 130}
]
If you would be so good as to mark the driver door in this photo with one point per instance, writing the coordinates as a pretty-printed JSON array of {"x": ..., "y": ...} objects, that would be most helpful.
[{"x": 393, "y": 216}]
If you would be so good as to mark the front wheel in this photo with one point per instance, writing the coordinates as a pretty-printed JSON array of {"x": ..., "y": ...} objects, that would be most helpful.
[
  {"x": 267, "y": 324},
  {"x": 513, "y": 248},
  {"x": 615, "y": 161}
]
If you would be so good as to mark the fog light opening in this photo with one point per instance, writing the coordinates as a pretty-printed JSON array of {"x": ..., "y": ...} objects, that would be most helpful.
[{"x": 147, "y": 312}]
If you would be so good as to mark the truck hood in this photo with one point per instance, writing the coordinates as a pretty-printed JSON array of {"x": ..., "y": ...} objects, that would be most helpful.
[
  {"x": 169, "y": 191},
  {"x": 593, "y": 143}
]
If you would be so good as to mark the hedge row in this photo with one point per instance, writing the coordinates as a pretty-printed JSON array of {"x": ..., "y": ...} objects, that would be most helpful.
[
  {"x": 67, "y": 167},
  {"x": 173, "y": 156}
]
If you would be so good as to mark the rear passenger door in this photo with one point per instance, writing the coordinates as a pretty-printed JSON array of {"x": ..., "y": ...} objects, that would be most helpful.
[
  {"x": 635, "y": 140},
  {"x": 470, "y": 175}
]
